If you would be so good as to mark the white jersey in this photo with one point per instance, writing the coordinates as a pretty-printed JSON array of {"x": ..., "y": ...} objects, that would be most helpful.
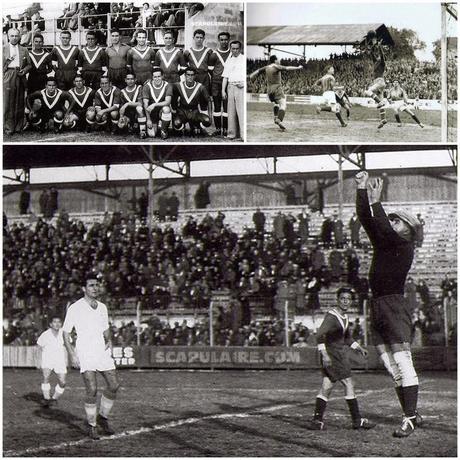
[
  {"x": 54, "y": 354},
  {"x": 90, "y": 325}
]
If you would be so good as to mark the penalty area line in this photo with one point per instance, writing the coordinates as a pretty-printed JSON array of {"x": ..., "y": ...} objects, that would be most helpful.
[{"x": 173, "y": 424}]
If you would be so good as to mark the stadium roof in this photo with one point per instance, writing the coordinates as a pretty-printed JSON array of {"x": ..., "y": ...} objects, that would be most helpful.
[
  {"x": 317, "y": 34},
  {"x": 50, "y": 156}
]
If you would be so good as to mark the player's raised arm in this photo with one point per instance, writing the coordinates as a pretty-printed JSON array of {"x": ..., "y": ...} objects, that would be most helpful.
[{"x": 254, "y": 74}]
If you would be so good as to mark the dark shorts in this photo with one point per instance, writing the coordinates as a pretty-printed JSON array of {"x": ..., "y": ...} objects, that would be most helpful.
[
  {"x": 92, "y": 78},
  {"x": 216, "y": 88},
  {"x": 131, "y": 113},
  {"x": 65, "y": 78},
  {"x": 276, "y": 95},
  {"x": 390, "y": 320},
  {"x": 191, "y": 116},
  {"x": 155, "y": 114},
  {"x": 203, "y": 78},
  {"x": 117, "y": 77},
  {"x": 142, "y": 77},
  {"x": 340, "y": 368}
]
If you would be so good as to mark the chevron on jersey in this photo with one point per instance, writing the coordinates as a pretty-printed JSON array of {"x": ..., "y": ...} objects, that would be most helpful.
[
  {"x": 76, "y": 96},
  {"x": 34, "y": 57},
  {"x": 184, "y": 92},
  {"x": 343, "y": 320},
  {"x": 94, "y": 56},
  {"x": 152, "y": 91},
  {"x": 131, "y": 96},
  {"x": 64, "y": 57},
  {"x": 200, "y": 61},
  {"x": 171, "y": 57},
  {"x": 50, "y": 103}
]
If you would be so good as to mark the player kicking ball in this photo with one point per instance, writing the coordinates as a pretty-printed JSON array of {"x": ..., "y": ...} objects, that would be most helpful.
[
  {"x": 329, "y": 98},
  {"x": 53, "y": 359},
  {"x": 92, "y": 354},
  {"x": 275, "y": 90},
  {"x": 397, "y": 97},
  {"x": 333, "y": 338}
]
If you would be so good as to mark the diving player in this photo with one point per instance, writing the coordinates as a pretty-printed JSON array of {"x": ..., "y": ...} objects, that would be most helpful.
[
  {"x": 374, "y": 48},
  {"x": 274, "y": 89}
]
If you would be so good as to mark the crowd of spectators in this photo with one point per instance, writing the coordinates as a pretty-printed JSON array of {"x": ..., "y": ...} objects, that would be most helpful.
[
  {"x": 260, "y": 271},
  {"x": 128, "y": 18},
  {"x": 421, "y": 80},
  {"x": 45, "y": 263}
]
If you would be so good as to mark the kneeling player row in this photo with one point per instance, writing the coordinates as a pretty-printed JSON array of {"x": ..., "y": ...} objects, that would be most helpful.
[{"x": 147, "y": 109}]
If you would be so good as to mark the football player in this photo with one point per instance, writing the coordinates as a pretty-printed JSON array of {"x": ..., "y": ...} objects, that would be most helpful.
[
  {"x": 92, "y": 61},
  {"x": 170, "y": 59},
  {"x": 197, "y": 58},
  {"x": 216, "y": 64},
  {"x": 46, "y": 108},
  {"x": 81, "y": 101},
  {"x": 397, "y": 97},
  {"x": 92, "y": 354},
  {"x": 131, "y": 110},
  {"x": 329, "y": 100},
  {"x": 157, "y": 95},
  {"x": 65, "y": 61},
  {"x": 274, "y": 88},
  {"x": 141, "y": 58},
  {"x": 41, "y": 65},
  {"x": 333, "y": 338},
  {"x": 117, "y": 54},
  {"x": 393, "y": 238},
  {"x": 193, "y": 100},
  {"x": 374, "y": 48},
  {"x": 53, "y": 359},
  {"x": 106, "y": 106}
]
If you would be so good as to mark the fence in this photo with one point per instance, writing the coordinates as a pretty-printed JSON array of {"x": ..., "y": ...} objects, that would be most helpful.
[
  {"x": 427, "y": 358},
  {"x": 103, "y": 24}
]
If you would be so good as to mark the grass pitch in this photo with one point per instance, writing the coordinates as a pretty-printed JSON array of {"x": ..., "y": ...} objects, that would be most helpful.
[
  {"x": 226, "y": 414},
  {"x": 304, "y": 125}
]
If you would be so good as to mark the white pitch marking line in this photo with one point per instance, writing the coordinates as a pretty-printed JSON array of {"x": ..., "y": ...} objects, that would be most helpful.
[{"x": 173, "y": 424}]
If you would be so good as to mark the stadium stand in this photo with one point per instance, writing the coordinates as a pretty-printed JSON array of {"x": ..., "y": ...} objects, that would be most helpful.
[
  {"x": 419, "y": 79},
  {"x": 196, "y": 256}
]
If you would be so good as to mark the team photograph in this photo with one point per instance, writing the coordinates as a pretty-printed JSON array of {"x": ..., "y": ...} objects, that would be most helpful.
[
  {"x": 323, "y": 73},
  {"x": 224, "y": 309},
  {"x": 122, "y": 72}
]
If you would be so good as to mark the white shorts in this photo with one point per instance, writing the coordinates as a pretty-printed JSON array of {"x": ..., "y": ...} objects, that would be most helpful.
[
  {"x": 329, "y": 98},
  {"x": 399, "y": 106},
  {"x": 58, "y": 367},
  {"x": 56, "y": 360},
  {"x": 95, "y": 360}
]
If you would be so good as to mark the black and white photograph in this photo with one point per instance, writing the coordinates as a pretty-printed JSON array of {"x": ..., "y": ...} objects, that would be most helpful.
[
  {"x": 246, "y": 301},
  {"x": 230, "y": 229},
  {"x": 123, "y": 72},
  {"x": 352, "y": 72}
]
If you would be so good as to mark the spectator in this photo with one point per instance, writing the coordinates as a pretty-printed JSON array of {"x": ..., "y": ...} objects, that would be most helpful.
[
  {"x": 173, "y": 206},
  {"x": 24, "y": 201},
  {"x": 202, "y": 198},
  {"x": 259, "y": 222},
  {"x": 143, "y": 206},
  {"x": 304, "y": 225},
  {"x": 354, "y": 225}
]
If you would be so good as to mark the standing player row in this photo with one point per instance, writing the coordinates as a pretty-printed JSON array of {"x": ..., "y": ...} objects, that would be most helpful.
[{"x": 119, "y": 60}]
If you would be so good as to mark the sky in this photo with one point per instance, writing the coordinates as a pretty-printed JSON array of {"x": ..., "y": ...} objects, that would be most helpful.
[
  {"x": 385, "y": 160},
  {"x": 424, "y": 18}
]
